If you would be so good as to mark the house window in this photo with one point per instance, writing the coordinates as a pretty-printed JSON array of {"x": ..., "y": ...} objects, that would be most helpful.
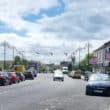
[{"x": 108, "y": 49}]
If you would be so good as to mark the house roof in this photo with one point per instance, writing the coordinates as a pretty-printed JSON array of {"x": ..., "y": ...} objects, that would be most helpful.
[{"x": 103, "y": 46}]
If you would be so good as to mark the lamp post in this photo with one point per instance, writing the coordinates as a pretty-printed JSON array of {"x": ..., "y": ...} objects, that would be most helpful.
[
  {"x": 4, "y": 45},
  {"x": 73, "y": 60},
  {"x": 88, "y": 56},
  {"x": 13, "y": 53},
  {"x": 79, "y": 50}
]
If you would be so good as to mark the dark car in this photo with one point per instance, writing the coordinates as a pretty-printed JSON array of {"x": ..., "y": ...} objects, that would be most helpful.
[
  {"x": 21, "y": 76},
  {"x": 98, "y": 84},
  {"x": 87, "y": 75},
  {"x": 33, "y": 70},
  {"x": 29, "y": 75},
  {"x": 4, "y": 79},
  {"x": 13, "y": 77},
  {"x": 35, "y": 73}
]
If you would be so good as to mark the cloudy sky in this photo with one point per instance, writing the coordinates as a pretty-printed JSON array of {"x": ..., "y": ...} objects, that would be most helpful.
[{"x": 56, "y": 26}]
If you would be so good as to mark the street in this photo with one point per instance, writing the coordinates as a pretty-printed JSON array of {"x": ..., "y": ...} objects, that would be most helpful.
[{"x": 45, "y": 94}]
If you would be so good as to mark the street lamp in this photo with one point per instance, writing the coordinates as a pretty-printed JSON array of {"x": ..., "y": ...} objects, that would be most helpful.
[
  {"x": 4, "y": 44},
  {"x": 79, "y": 50},
  {"x": 73, "y": 60}
]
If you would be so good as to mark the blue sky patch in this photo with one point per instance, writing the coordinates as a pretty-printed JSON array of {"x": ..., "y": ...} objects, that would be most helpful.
[
  {"x": 4, "y": 28},
  {"x": 51, "y": 12}
]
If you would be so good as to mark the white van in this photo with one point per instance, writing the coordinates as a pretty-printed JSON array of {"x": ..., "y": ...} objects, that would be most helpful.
[{"x": 65, "y": 70}]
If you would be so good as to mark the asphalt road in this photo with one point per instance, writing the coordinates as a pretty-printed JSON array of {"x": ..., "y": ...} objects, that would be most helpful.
[{"x": 45, "y": 94}]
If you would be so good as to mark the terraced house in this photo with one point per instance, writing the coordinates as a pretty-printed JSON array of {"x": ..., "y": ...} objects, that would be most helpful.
[{"x": 102, "y": 58}]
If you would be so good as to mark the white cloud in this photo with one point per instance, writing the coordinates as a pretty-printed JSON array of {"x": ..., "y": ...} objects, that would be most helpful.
[{"x": 82, "y": 21}]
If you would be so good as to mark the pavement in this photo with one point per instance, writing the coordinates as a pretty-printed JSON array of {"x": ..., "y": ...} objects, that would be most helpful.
[{"x": 45, "y": 94}]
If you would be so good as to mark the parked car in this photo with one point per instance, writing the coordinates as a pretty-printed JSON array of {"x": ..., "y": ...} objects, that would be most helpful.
[
  {"x": 98, "y": 84},
  {"x": 33, "y": 70},
  {"x": 21, "y": 76},
  {"x": 71, "y": 73},
  {"x": 35, "y": 73},
  {"x": 58, "y": 75},
  {"x": 87, "y": 75},
  {"x": 65, "y": 70},
  {"x": 75, "y": 74},
  {"x": 13, "y": 77},
  {"x": 4, "y": 79},
  {"x": 29, "y": 75}
]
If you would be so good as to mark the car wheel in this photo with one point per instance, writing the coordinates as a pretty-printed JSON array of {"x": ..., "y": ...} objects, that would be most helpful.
[
  {"x": 15, "y": 81},
  {"x": 32, "y": 78},
  {"x": 19, "y": 81},
  {"x": 10, "y": 83},
  {"x": 87, "y": 92},
  {"x": 4, "y": 83}
]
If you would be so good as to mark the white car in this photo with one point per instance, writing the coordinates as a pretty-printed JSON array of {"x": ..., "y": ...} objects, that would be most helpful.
[
  {"x": 65, "y": 70},
  {"x": 58, "y": 75}
]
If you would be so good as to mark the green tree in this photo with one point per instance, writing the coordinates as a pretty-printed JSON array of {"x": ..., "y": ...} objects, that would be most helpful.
[
  {"x": 70, "y": 67},
  {"x": 17, "y": 60},
  {"x": 25, "y": 63},
  {"x": 1, "y": 67},
  {"x": 84, "y": 63},
  {"x": 42, "y": 68}
]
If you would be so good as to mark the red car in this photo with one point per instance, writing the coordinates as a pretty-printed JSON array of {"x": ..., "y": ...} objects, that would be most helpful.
[{"x": 13, "y": 77}]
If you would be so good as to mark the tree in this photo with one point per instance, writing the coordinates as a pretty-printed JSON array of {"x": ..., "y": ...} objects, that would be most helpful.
[
  {"x": 84, "y": 63},
  {"x": 42, "y": 68},
  {"x": 1, "y": 67},
  {"x": 25, "y": 63},
  {"x": 70, "y": 67},
  {"x": 17, "y": 60}
]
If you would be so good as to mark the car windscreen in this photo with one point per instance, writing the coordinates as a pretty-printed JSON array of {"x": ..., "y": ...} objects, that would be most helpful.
[
  {"x": 28, "y": 72},
  {"x": 58, "y": 74},
  {"x": 99, "y": 77}
]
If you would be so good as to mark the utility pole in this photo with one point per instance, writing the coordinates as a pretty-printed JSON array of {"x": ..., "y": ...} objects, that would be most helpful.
[
  {"x": 79, "y": 57},
  {"x": 4, "y": 44},
  {"x": 13, "y": 54},
  {"x": 73, "y": 61},
  {"x": 88, "y": 51},
  {"x": 79, "y": 50}
]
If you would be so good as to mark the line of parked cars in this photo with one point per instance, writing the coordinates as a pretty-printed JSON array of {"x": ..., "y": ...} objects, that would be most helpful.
[{"x": 11, "y": 77}]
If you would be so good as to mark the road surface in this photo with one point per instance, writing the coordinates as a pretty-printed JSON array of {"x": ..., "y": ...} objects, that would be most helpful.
[{"x": 45, "y": 94}]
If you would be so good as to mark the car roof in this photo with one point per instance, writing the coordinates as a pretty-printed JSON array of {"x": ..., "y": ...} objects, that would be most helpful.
[{"x": 58, "y": 71}]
